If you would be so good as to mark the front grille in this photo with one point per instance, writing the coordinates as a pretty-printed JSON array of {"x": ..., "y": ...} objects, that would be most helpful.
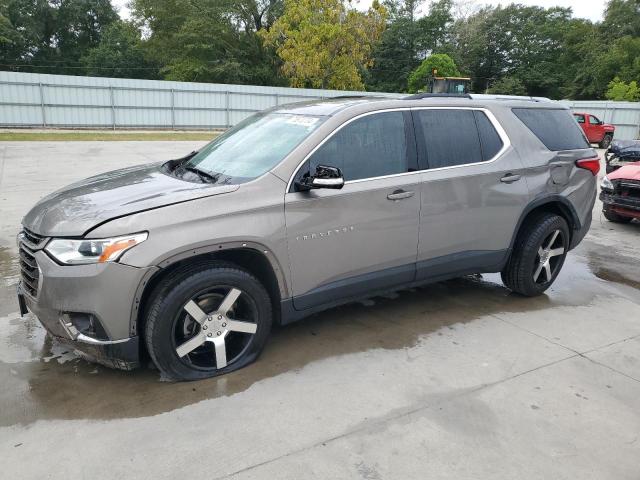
[
  {"x": 628, "y": 188},
  {"x": 29, "y": 243},
  {"x": 31, "y": 237},
  {"x": 29, "y": 270}
]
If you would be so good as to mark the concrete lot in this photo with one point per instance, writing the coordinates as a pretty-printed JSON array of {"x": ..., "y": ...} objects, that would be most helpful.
[{"x": 456, "y": 380}]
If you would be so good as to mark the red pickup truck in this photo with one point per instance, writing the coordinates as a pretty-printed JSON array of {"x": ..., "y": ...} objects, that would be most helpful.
[{"x": 596, "y": 130}]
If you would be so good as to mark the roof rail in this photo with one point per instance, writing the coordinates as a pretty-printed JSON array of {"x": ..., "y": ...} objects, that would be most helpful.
[
  {"x": 483, "y": 96},
  {"x": 419, "y": 96}
]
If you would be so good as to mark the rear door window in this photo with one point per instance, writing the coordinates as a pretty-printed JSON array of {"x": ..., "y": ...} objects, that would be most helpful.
[
  {"x": 554, "y": 128},
  {"x": 490, "y": 141},
  {"x": 447, "y": 137},
  {"x": 579, "y": 118}
]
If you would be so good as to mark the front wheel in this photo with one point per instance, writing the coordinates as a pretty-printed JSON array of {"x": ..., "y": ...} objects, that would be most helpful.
[
  {"x": 538, "y": 255},
  {"x": 206, "y": 321}
]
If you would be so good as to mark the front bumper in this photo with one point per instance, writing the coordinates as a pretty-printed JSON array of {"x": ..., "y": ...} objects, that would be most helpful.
[
  {"x": 104, "y": 293},
  {"x": 626, "y": 205}
]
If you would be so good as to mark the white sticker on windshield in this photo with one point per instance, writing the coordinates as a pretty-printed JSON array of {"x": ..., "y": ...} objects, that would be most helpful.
[{"x": 302, "y": 120}]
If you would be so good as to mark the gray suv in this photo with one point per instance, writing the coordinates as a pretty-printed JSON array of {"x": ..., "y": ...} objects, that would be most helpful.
[{"x": 298, "y": 209}]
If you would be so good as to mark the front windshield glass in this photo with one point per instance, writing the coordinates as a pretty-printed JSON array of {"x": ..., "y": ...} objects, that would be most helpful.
[{"x": 254, "y": 146}]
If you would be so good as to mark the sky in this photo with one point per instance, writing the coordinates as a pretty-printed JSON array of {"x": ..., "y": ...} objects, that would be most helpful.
[{"x": 591, "y": 9}]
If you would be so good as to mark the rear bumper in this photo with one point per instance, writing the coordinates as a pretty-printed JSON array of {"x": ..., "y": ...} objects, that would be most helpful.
[{"x": 579, "y": 234}]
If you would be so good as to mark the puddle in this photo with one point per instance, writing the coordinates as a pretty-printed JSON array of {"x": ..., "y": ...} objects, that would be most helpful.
[
  {"x": 44, "y": 380},
  {"x": 9, "y": 268}
]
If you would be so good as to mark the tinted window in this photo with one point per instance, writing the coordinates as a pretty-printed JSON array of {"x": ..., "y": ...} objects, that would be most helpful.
[
  {"x": 489, "y": 139},
  {"x": 579, "y": 118},
  {"x": 371, "y": 146},
  {"x": 450, "y": 137},
  {"x": 555, "y": 128}
]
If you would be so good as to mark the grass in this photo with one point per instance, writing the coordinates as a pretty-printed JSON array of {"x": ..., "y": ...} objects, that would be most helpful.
[{"x": 64, "y": 136}]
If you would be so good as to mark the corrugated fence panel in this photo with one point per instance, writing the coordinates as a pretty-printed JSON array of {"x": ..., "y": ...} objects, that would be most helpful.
[
  {"x": 624, "y": 115},
  {"x": 32, "y": 99}
]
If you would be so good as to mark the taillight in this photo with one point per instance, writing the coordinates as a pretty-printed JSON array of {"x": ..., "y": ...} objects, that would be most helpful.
[{"x": 591, "y": 164}]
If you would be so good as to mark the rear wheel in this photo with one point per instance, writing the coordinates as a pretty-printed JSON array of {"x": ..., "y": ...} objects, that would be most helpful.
[
  {"x": 206, "y": 321},
  {"x": 538, "y": 255},
  {"x": 606, "y": 141},
  {"x": 614, "y": 217}
]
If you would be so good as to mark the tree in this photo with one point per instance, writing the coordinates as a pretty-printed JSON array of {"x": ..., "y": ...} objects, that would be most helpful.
[
  {"x": 621, "y": 18},
  {"x": 325, "y": 43},
  {"x": 406, "y": 41},
  {"x": 445, "y": 65},
  {"x": 51, "y": 36},
  {"x": 205, "y": 41},
  {"x": 620, "y": 91},
  {"x": 119, "y": 54},
  {"x": 516, "y": 41},
  {"x": 508, "y": 86}
]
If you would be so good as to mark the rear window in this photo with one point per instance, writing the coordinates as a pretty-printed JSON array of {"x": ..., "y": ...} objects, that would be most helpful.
[
  {"x": 489, "y": 138},
  {"x": 555, "y": 128}
]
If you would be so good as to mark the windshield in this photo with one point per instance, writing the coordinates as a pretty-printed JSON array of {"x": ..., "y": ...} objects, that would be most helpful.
[{"x": 253, "y": 147}]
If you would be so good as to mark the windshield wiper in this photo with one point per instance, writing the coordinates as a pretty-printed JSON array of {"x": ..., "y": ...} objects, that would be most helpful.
[{"x": 211, "y": 177}]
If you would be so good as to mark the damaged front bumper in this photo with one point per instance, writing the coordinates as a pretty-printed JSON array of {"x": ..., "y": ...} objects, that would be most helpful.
[
  {"x": 622, "y": 204},
  {"x": 86, "y": 307}
]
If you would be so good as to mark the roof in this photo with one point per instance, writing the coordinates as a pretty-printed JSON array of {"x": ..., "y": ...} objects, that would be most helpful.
[{"x": 332, "y": 106}]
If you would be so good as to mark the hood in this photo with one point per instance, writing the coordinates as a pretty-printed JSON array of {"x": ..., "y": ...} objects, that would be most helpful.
[
  {"x": 630, "y": 171},
  {"x": 608, "y": 127},
  {"x": 75, "y": 209}
]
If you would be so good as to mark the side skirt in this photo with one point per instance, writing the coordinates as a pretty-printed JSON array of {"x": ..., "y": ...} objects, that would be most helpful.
[{"x": 428, "y": 271}]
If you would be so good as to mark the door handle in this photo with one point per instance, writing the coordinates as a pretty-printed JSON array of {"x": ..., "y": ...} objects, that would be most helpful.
[
  {"x": 399, "y": 195},
  {"x": 510, "y": 178}
]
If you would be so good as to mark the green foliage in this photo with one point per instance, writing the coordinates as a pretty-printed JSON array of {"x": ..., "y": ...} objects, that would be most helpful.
[
  {"x": 622, "y": 92},
  {"x": 404, "y": 40},
  {"x": 51, "y": 36},
  {"x": 445, "y": 65},
  {"x": 508, "y": 86},
  {"x": 325, "y": 43},
  {"x": 205, "y": 41},
  {"x": 329, "y": 43},
  {"x": 119, "y": 54}
]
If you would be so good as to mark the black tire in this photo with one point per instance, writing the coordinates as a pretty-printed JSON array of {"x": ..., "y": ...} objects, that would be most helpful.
[
  {"x": 169, "y": 326},
  {"x": 614, "y": 217},
  {"x": 519, "y": 275},
  {"x": 606, "y": 141}
]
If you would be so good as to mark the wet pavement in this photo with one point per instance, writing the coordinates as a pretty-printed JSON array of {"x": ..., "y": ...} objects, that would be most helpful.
[{"x": 459, "y": 379}]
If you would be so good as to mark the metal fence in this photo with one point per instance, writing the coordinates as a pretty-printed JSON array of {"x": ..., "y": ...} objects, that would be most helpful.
[
  {"x": 40, "y": 100},
  {"x": 624, "y": 115}
]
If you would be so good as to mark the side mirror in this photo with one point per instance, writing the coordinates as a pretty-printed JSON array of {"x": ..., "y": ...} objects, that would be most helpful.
[{"x": 324, "y": 177}]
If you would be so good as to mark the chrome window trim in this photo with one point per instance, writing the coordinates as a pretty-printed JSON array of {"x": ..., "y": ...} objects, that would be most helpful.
[{"x": 506, "y": 143}]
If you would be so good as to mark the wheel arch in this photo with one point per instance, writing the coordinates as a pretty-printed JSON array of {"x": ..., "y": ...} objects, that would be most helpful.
[
  {"x": 552, "y": 204},
  {"x": 252, "y": 257}
]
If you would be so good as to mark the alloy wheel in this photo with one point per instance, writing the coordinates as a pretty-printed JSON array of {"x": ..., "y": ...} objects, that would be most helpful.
[
  {"x": 215, "y": 327},
  {"x": 549, "y": 256}
]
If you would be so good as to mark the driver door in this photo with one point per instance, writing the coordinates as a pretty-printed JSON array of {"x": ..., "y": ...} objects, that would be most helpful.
[{"x": 364, "y": 237}]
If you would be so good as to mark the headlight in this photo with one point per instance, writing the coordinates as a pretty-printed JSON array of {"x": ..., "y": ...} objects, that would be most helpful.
[
  {"x": 606, "y": 184},
  {"x": 74, "y": 252}
]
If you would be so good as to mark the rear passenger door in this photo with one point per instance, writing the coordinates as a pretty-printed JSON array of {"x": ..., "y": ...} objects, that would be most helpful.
[{"x": 472, "y": 194}]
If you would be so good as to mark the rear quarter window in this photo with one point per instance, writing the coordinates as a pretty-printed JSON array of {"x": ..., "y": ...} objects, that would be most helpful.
[{"x": 555, "y": 128}]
